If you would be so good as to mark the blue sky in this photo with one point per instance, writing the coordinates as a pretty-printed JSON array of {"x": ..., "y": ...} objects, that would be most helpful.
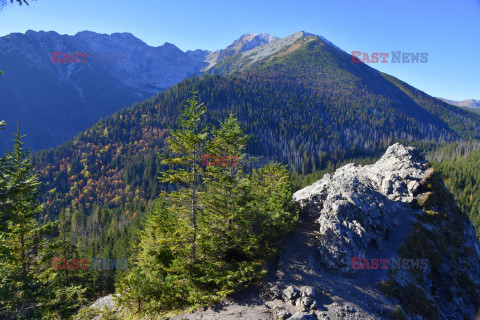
[{"x": 448, "y": 30}]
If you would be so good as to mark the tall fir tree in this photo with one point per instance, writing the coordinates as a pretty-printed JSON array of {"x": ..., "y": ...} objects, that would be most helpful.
[
  {"x": 29, "y": 288},
  {"x": 168, "y": 253},
  {"x": 227, "y": 192}
]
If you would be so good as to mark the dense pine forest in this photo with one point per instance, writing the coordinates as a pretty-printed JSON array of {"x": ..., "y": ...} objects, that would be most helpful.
[{"x": 462, "y": 176}]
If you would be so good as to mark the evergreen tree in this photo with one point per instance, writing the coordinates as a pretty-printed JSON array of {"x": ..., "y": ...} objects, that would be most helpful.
[
  {"x": 29, "y": 288},
  {"x": 188, "y": 142},
  {"x": 211, "y": 236},
  {"x": 226, "y": 188},
  {"x": 168, "y": 248},
  {"x": 225, "y": 203},
  {"x": 22, "y": 244}
]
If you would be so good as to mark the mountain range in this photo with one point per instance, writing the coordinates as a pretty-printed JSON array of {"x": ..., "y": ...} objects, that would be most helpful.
[
  {"x": 55, "y": 95},
  {"x": 467, "y": 103},
  {"x": 55, "y": 100}
]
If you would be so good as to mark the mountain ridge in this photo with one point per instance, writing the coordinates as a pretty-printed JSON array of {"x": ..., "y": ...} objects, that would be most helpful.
[
  {"x": 468, "y": 103},
  {"x": 120, "y": 70}
]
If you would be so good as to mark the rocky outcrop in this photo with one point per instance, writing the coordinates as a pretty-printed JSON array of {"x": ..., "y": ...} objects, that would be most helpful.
[
  {"x": 358, "y": 205},
  {"x": 242, "y": 44},
  {"x": 398, "y": 207}
]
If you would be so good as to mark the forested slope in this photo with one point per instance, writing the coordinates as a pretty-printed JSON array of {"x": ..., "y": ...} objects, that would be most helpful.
[{"x": 462, "y": 177}]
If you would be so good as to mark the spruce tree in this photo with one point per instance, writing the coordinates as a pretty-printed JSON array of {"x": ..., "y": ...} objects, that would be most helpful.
[
  {"x": 168, "y": 249},
  {"x": 21, "y": 243},
  {"x": 29, "y": 288},
  {"x": 225, "y": 207},
  {"x": 225, "y": 185},
  {"x": 187, "y": 143}
]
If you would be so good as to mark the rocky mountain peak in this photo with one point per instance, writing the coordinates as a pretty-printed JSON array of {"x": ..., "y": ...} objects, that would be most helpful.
[
  {"x": 303, "y": 34},
  {"x": 249, "y": 41},
  {"x": 244, "y": 43}
]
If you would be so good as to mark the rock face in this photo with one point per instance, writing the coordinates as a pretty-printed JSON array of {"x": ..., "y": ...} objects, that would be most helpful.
[
  {"x": 358, "y": 205},
  {"x": 400, "y": 207},
  {"x": 244, "y": 43}
]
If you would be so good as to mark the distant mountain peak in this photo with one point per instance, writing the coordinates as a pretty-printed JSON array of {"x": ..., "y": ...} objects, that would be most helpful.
[
  {"x": 244, "y": 43},
  {"x": 467, "y": 103},
  {"x": 304, "y": 34},
  {"x": 266, "y": 52},
  {"x": 250, "y": 36}
]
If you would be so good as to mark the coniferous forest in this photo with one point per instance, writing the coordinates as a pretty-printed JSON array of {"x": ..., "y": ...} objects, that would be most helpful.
[{"x": 206, "y": 236}]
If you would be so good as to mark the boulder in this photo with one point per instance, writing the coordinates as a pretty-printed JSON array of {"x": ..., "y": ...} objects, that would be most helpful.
[
  {"x": 281, "y": 314},
  {"x": 305, "y": 303},
  {"x": 308, "y": 292}
]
